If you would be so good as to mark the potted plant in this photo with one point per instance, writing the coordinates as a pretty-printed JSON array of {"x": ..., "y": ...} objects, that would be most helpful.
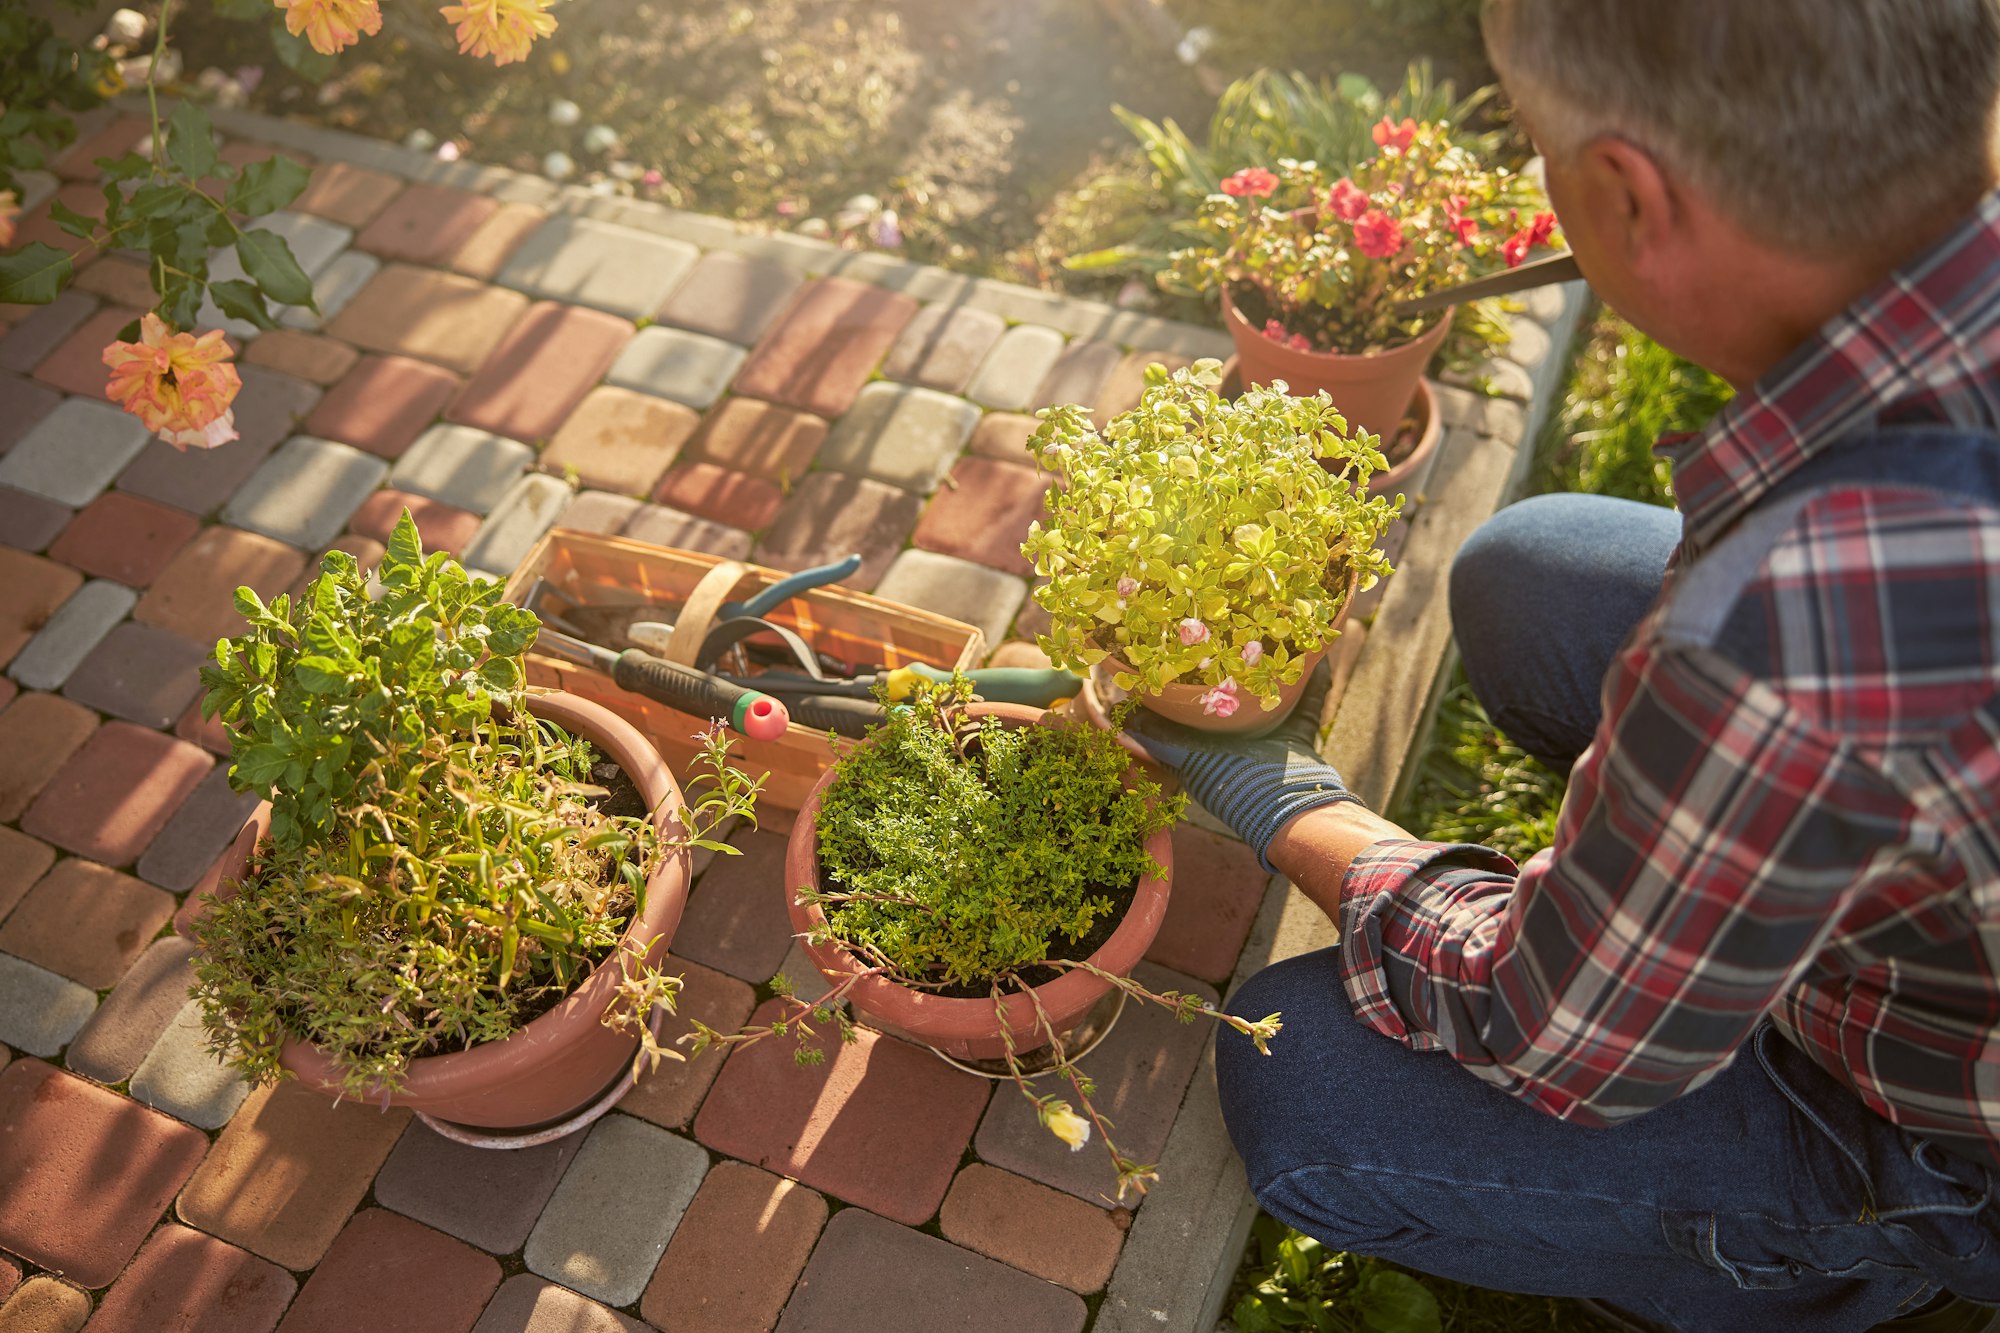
[
  {"x": 978, "y": 876},
  {"x": 1205, "y": 550},
  {"x": 465, "y": 890},
  {"x": 1310, "y": 268}
]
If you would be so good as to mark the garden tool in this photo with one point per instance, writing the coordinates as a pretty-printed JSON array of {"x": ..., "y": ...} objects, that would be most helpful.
[
  {"x": 1037, "y": 687},
  {"x": 1554, "y": 268},
  {"x": 751, "y": 712}
]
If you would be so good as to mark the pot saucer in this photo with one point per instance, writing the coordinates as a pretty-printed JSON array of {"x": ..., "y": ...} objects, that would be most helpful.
[{"x": 1077, "y": 1042}]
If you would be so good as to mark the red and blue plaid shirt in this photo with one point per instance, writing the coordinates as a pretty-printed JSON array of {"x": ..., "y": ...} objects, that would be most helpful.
[{"x": 1796, "y": 817}]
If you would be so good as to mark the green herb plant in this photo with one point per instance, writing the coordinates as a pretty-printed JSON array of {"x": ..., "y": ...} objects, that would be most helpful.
[
  {"x": 440, "y": 868},
  {"x": 1204, "y": 541},
  {"x": 1309, "y": 1287},
  {"x": 957, "y": 853}
]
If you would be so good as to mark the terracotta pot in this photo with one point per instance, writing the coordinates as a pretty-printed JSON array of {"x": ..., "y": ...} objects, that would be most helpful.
[
  {"x": 1372, "y": 390},
  {"x": 969, "y": 1029},
  {"x": 564, "y": 1059}
]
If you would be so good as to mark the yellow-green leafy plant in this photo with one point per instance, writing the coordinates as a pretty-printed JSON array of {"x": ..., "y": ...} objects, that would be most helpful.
[
  {"x": 1204, "y": 541},
  {"x": 442, "y": 866}
]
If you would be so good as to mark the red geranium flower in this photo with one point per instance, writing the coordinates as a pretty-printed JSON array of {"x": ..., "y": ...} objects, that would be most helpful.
[
  {"x": 1541, "y": 229},
  {"x": 1454, "y": 216},
  {"x": 1378, "y": 235},
  {"x": 1391, "y": 137},
  {"x": 1515, "y": 248},
  {"x": 1347, "y": 200},
  {"x": 1251, "y": 181}
]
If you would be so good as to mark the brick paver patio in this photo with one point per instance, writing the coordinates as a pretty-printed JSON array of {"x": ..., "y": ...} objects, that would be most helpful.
[{"x": 503, "y": 356}]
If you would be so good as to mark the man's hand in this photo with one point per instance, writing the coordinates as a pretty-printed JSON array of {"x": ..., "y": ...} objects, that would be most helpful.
[{"x": 1256, "y": 786}]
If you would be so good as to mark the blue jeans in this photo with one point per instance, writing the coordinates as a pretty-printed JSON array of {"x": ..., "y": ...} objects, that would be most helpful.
[{"x": 1769, "y": 1200}]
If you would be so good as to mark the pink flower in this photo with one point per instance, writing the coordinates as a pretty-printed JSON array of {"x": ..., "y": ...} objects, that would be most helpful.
[
  {"x": 1220, "y": 701},
  {"x": 1253, "y": 652},
  {"x": 1127, "y": 585},
  {"x": 1192, "y": 632},
  {"x": 1276, "y": 333},
  {"x": 1378, "y": 235},
  {"x": 1251, "y": 181},
  {"x": 1515, "y": 248},
  {"x": 1541, "y": 229},
  {"x": 1347, "y": 200},
  {"x": 1393, "y": 138},
  {"x": 1454, "y": 216},
  {"x": 181, "y": 386}
]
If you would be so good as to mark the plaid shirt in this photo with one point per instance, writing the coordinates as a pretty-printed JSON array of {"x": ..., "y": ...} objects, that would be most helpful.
[{"x": 1795, "y": 813}]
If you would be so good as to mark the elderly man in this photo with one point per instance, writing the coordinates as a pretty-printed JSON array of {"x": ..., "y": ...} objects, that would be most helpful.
[{"x": 1727, "y": 1055}]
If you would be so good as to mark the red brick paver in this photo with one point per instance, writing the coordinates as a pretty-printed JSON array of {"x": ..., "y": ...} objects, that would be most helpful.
[
  {"x": 38, "y": 225},
  {"x": 844, "y": 1126},
  {"x": 22, "y": 403},
  {"x": 387, "y": 1272},
  {"x": 826, "y": 345},
  {"x": 1032, "y": 1227},
  {"x": 736, "y": 918},
  {"x": 736, "y": 1253},
  {"x": 23, "y": 860},
  {"x": 426, "y": 224},
  {"x": 31, "y": 589},
  {"x": 38, "y": 734},
  {"x": 141, "y": 673},
  {"x": 195, "y": 595},
  {"x": 541, "y": 371},
  {"x": 119, "y": 281},
  {"x": 443, "y": 527},
  {"x": 830, "y": 515},
  {"x": 669, "y": 1094},
  {"x": 191, "y": 1283},
  {"x": 310, "y": 356},
  {"x": 84, "y": 1173},
  {"x": 115, "y": 793},
  {"x": 86, "y": 922},
  {"x": 122, "y": 537},
  {"x": 45, "y": 1304},
  {"x": 735, "y": 498},
  {"x": 432, "y": 316},
  {"x": 349, "y": 195},
  {"x": 488, "y": 249},
  {"x": 77, "y": 365},
  {"x": 1004, "y": 435},
  {"x": 760, "y": 438},
  {"x": 384, "y": 404},
  {"x": 620, "y": 441},
  {"x": 982, "y": 513},
  {"x": 121, "y": 136},
  {"x": 1218, "y": 887}
]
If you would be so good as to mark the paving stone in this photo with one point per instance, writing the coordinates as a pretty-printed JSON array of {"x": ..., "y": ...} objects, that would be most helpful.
[
  {"x": 598, "y": 511},
  {"x": 443, "y": 527},
  {"x": 731, "y": 296},
  {"x": 843, "y": 1126},
  {"x": 337, "y": 284},
  {"x": 30, "y": 522},
  {"x": 826, "y": 346},
  {"x": 1004, "y": 436},
  {"x": 528, "y": 510},
  {"x": 1032, "y": 1227},
  {"x": 304, "y": 492},
  {"x": 47, "y": 327},
  {"x": 1079, "y": 374},
  {"x": 870, "y": 1273},
  {"x": 350, "y": 195},
  {"x": 10, "y": 1272},
  {"x": 118, "y": 281},
  {"x": 956, "y": 588},
  {"x": 760, "y": 438},
  {"x": 315, "y": 242},
  {"x": 900, "y": 434},
  {"x": 528, "y": 1304},
  {"x": 670, "y": 527},
  {"x": 1121, "y": 389},
  {"x": 125, "y": 1027},
  {"x": 736, "y": 499},
  {"x": 538, "y": 375},
  {"x": 38, "y": 734},
  {"x": 367, "y": 553},
  {"x": 23, "y": 860},
  {"x": 69, "y": 635},
  {"x": 39, "y": 1012},
  {"x": 384, "y": 404},
  {"x": 736, "y": 919},
  {"x": 115, "y": 793},
  {"x": 668, "y": 1094},
  {"x": 206, "y": 823},
  {"x": 123, "y": 537},
  {"x": 607, "y": 1225},
  {"x": 197, "y": 902},
  {"x": 39, "y": 225},
  {"x": 490, "y": 1199},
  {"x": 308, "y": 356},
  {"x": 943, "y": 345},
  {"x": 183, "y": 1077},
  {"x": 86, "y": 922},
  {"x": 62, "y": 1206},
  {"x": 588, "y": 262},
  {"x": 1141, "y": 1070},
  {"x": 22, "y": 403},
  {"x": 1218, "y": 889},
  {"x": 619, "y": 440},
  {"x": 429, "y": 315},
  {"x": 489, "y": 248},
  {"x": 830, "y": 515},
  {"x": 208, "y": 733},
  {"x": 387, "y": 1272},
  {"x": 188, "y": 1282},
  {"x": 802, "y": 975},
  {"x": 124, "y": 135},
  {"x": 426, "y": 224},
  {"x": 45, "y": 1304},
  {"x": 983, "y": 514},
  {"x": 268, "y": 409},
  {"x": 195, "y": 595},
  {"x": 1495, "y": 374},
  {"x": 690, "y": 368},
  {"x": 737, "y": 1252},
  {"x": 287, "y": 1171},
  {"x": 139, "y": 673},
  {"x": 1014, "y": 370},
  {"x": 74, "y": 452},
  {"x": 471, "y": 469}
]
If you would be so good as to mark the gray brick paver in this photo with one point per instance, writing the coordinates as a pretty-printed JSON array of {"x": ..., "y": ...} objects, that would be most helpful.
[
  {"x": 670, "y": 527},
  {"x": 1012, "y": 372},
  {"x": 78, "y": 625},
  {"x": 690, "y": 368},
  {"x": 304, "y": 493},
  {"x": 731, "y": 296},
  {"x": 462, "y": 466},
  {"x": 73, "y": 453},
  {"x": 616, "y": 1208},
  {"x": 956, "y": 588},
  {"x": 601, "y": 264},
  {"x": 943, "y": 345},
  {"x": 131, "y": 1019},
  {"x": 206, "y": 823},
  {"x": 902, "y": 434},
  {"x": 336, "y": 285},
  {"x": 39, "y": 1010},
  {"x": 182, "y": 1077},
  {"x": 528, "y": 510}
]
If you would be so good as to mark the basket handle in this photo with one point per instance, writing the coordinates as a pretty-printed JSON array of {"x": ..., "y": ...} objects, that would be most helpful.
[{"x": 698, "y": 612}]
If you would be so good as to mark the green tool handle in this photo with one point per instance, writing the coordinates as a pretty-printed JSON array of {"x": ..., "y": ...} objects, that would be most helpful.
[{"x": 1037, "y": 687}]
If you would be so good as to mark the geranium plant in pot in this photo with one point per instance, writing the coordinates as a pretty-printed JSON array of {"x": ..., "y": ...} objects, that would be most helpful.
[
  {"x": 465, "y": 889},
  {"x": 1204, "y": 550},
  {"x": 1310, "y": 265},
  {"x": 978, "y": 877}
]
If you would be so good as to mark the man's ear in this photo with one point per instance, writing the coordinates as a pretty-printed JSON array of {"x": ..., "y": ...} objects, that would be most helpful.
[{"x": 1635, "y": 206}]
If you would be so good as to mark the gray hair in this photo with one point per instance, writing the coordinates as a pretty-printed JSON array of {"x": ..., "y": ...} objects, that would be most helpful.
[{"x": 1827, "y": 125}]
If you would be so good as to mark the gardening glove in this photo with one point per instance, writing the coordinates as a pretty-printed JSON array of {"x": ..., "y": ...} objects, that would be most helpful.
[{"x": 1254, "y": 785}]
